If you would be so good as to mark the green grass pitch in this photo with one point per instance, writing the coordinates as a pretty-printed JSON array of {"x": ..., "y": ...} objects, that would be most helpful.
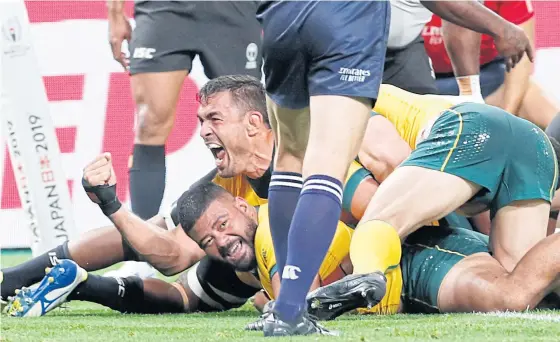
[{"x": 80, "y": 321}]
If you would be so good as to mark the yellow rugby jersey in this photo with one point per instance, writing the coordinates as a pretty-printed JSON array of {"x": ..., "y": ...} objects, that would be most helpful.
[
  {"x": 409, "y": 112},
  {"x": 240, "y": 186},
  {"x": 338, "y": 251}
]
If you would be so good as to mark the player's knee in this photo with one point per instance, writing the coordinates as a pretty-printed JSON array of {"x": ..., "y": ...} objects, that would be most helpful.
[
  {"x": 155, "y": 117},
  {"x": 288, "y": 160},
  {"x": 517, "y": 301},
  {"x": 155, "y": 121},
  {"x": 398, "y": 219}
]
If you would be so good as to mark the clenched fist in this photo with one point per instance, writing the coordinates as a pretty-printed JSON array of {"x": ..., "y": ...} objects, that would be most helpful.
[
  {"x": 100, "y": 183},
  {"x": 100, "y": 171}
]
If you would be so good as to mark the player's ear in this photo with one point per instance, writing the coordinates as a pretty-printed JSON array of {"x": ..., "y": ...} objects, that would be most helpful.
[
  {"x": 255, "y": 123},
  {"x": 241, "y": 204}
]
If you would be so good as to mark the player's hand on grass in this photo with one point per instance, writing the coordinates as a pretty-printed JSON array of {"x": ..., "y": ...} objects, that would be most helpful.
[
  {"x": 512, "y": 44},
  {"x": 119, "y": 31},
  {"x": 100, "y": 183}
]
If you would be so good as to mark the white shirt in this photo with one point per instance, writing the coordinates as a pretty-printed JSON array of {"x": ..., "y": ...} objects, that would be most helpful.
[{"x": 408, "y": 18}]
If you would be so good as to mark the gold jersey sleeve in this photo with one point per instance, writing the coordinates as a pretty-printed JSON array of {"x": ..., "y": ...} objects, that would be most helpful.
[
  {"x": 409, "y": 112},
  {"x": 337, "y": 253},
  {"x": 266, "y": 260},
  {"x": 239, "y": 186}
]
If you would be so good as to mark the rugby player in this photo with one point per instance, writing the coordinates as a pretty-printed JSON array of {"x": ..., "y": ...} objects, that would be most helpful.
[
  {"x": 459, "y": 161},
  {"x": 168, "y": 36},
  {"x": 446, "y": 269},
  {"x": 131, "y": 294},
  {"x": 234, "y": 126}
]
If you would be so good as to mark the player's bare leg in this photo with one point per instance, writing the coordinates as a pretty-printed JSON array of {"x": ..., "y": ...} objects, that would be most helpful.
[
  {"x": 94, "y": 250},
  {"x": 156, "y": 95},
  {"x": 100, "y": 248},
  {"x": 480, "y": 283},
  {"x": 393, "y": 213},
  {"x": 329, "y": 153},
  {"x": 516, "y": 228},
  {"x": 535, "y": 106},
  {"x": 291, "y": 136},
  {"x": 125, "y": 294}
]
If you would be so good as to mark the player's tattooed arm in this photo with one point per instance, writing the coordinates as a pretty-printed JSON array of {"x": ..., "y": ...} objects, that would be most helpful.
[{"x": 510, "y": 40}]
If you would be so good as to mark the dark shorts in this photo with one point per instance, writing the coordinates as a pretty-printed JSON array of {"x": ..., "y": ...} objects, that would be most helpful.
[
  {"x": 428, "y": 255},
  {"x": 510, "y": 158},
  {"x": 409, "y": 68},
  {"x": 169, "y": 34},
  {"x": 323, "y": 48},
  {"x": 217, "y": 285},
  {"x": 492, "y": 76}
]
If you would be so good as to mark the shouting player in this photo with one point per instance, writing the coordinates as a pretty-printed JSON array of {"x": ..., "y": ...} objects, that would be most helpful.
[{"x": 167, "y": 37}]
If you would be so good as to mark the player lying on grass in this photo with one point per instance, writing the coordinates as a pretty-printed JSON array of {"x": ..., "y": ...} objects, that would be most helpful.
[
  {"x": 235, "y": 128},
  {"x": 458, "y": 161},
  {"x": 182, "y": 253},
  {"x": 443, "y": 269},
  {"x": 234, "y": 125}
]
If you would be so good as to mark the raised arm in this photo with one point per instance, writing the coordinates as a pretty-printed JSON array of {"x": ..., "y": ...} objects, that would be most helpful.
[{"x": 168, "y": 251}]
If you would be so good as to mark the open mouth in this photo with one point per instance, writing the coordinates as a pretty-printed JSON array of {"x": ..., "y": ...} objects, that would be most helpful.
[
  {"x": 218, "y": 152},
  {"x": 235, "y": 250}
]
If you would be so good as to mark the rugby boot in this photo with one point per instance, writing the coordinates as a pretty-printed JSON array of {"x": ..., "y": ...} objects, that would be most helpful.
[
  {"x": 259, "y": 324},
  {"x": 274, "y": 326},
  {"x": 347, "y": 294},
  {"x": 52, "y": 291}
]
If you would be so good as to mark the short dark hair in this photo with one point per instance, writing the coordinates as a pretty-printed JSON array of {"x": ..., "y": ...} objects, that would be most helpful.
[
  {"x": 247, "y": 91},
  {"x": 194, "y": 202}
]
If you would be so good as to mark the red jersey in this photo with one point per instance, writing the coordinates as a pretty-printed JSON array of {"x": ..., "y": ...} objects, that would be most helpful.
[{"x": 516, "y": 12}]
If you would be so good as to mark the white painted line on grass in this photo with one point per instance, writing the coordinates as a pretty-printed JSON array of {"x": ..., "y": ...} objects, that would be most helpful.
[{"x": 524, "y": 315}]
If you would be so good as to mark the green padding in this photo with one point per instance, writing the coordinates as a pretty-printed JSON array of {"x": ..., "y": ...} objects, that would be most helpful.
[
  {"x": 273, "y": 270},
  {"x": 351, "y": 186}
]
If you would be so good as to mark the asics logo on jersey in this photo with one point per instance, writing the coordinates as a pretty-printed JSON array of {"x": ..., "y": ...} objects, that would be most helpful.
[
  {"x": 290, "y": 272},
  {"x": 353, "y": 75},
  {"x": 143, "y": 53}
]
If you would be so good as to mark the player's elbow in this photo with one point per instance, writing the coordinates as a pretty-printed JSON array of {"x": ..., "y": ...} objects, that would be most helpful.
[{"x": 382, "y": 162}]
